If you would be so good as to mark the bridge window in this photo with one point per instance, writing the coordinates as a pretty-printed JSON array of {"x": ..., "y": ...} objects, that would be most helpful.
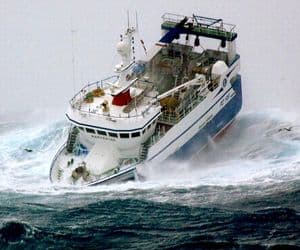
[
  {"x": 136, "y": 134},
  {"x": 100, "y": 132},
  {"x": 89, "y": 130},
  {"x": 115, "y": 135},
  {"x": 81, "y": 128},
  {"x": 124, "y": 135}
]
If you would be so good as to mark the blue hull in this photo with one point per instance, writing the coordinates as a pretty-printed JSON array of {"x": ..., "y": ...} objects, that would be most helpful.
[{"x": 212, "y": 128}]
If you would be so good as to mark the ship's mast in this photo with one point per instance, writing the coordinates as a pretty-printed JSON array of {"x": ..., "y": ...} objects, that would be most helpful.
[{"x": 126, "y": 50}]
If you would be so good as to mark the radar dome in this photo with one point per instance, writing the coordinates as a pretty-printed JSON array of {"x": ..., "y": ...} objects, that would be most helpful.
[
  {"x": 219, "y": 68},
  {"x": 123, "y": 48}
]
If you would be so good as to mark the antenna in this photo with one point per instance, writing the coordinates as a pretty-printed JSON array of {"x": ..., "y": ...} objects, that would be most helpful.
[
  {"x": 136, "y": 22},
  {"x": 128, "y": 19},
  {"x": 73, "y": 60}
]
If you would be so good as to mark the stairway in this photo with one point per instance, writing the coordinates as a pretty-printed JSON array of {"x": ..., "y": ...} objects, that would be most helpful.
[
  {"x": 59, "y": 173},
  {"x": 72, "y": 139},
  {"x": 144, "y": 150}
]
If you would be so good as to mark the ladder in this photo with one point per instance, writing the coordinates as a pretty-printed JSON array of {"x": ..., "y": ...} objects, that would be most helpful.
[
  {"x": 72, "y": 137},
  {"x": 144, "y": 150},
  {"x": 59, "y": 173}
]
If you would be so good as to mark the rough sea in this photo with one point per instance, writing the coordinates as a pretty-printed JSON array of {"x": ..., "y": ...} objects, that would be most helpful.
[{"x": 241, "y": 192}]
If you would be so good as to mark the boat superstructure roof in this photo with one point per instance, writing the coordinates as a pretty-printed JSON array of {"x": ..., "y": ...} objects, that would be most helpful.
[{"x": 196, "y": 25}]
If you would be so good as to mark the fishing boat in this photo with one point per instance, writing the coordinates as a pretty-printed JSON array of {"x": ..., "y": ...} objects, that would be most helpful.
[{"x": 166, "y": 104}]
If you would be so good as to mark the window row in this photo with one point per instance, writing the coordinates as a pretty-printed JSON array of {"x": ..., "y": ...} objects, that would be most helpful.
[{"x": 116, "y": 135}]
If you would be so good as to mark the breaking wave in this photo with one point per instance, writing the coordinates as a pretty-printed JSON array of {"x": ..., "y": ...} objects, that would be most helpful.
[{"x": 258, "y": 149}]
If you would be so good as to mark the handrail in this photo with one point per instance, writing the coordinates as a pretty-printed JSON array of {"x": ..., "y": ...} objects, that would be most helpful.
[
  {"x": 105, "y": 80},
  {"x": 142, "y": 114},
  {"x": 62, "y": 147},
  {"x": 103, "y": 84},
  {"x": 218, "y": 25}
]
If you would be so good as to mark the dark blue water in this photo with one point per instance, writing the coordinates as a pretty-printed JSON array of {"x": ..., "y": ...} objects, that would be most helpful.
[
  {"x": 241, "y": 193},
  {"x": 65, "y": 222}
]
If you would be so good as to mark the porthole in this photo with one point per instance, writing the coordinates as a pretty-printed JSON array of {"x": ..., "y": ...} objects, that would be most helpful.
[{"x": 224, "y": 82}]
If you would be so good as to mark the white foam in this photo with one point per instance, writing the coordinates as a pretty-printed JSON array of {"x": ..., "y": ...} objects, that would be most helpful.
[{"x": 253, "y": 152}]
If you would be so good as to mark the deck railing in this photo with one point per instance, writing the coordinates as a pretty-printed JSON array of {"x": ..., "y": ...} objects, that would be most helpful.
[
  {"x": 203, "y": 24},
  {"x": 191, "y": 101},
  {"x": 106, "y": 83}
]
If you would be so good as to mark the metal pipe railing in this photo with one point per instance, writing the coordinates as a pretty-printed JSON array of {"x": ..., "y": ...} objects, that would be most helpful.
[
  {"x": 216, "y": 25},
  {"x": 89, "y": 112}
]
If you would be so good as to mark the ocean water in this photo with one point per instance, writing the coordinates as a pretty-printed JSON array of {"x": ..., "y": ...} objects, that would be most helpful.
[{"x": 241, "y": 192}]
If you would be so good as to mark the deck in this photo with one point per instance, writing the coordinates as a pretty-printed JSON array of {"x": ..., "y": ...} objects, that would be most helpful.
[{"x": 137, "y": 107}]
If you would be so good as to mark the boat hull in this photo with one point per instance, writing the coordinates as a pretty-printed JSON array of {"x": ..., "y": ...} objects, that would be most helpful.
[
  {"x": 129, "y": 174},
  {"x": 123, "y": 175},
  {"x": 214, "y": 127},
  {"x": 206, "y": 121}
]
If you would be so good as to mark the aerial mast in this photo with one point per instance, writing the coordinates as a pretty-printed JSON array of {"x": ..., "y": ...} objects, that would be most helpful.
[{"x": 73, "y": 60}]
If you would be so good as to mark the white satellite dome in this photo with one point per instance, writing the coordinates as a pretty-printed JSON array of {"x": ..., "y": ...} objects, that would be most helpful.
[
  {"x": 219, "y": 68},
  {"x": 123, "y": 48}
]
